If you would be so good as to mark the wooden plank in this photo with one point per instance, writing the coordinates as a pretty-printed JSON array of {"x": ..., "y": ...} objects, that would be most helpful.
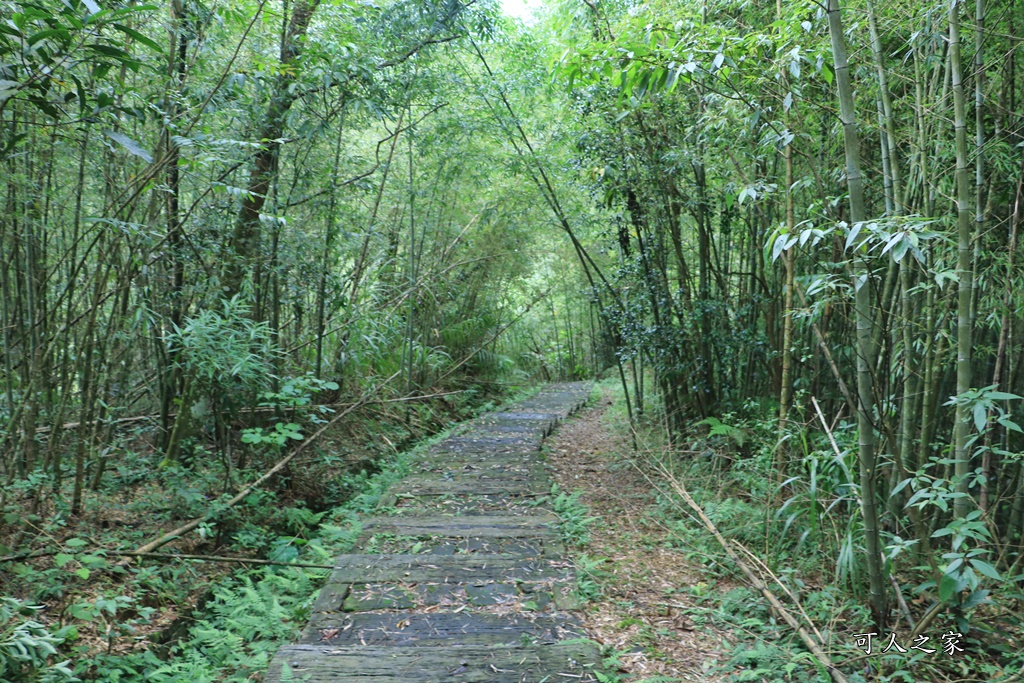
[
  {"x": 486, "y": 425},
  {"x": 426, "y": 487},
  {"x": 438, "y": 628},
  {"x": 442, "y": 569},
  {"x": 492, "y": 466},
  {"x": 549, "y": 547},
  {"x": 473, "y": 450},
  {"x": 477, "y": 461},
  {"x": 478, "y": 526},
  {"x": 464, "y": 504},
  {"x": 322, "y": 663},
  {"x": 512, "y": 475},
  {"x": 386, "y": 543},
  {"x": 525, "y": 595},
  {"x": 518, "y": 415}
]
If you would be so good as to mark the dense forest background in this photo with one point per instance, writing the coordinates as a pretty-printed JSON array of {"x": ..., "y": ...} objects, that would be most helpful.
[{"x": 788, "y": 231}]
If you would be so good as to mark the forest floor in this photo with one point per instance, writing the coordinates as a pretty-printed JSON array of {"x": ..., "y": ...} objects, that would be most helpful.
[
  {"x": 641, "y": 613},
  {"x": 127, "y": 609}
]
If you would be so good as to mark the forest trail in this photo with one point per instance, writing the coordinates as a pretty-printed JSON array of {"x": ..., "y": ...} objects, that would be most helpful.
[{"x": 460, "y": 578}]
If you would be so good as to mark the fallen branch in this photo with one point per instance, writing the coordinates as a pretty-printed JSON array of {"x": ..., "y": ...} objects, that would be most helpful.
[
  {"x": 175, "y": 556},
  {"x": 808, "y": 639},
  {"x": 185, "y": 528},
  {"x": 220, "y": 558},
  {"x": 243, "y": 411}
]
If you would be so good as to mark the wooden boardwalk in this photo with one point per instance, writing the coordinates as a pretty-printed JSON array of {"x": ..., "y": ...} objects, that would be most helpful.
[{"x": 463, "y": 578}]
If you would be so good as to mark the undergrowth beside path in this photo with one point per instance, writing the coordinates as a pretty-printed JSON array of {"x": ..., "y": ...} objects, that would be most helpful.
[
  {"x": 643, "y": 590},
  {"x": 669, "y": 604},
  {"x": 169, "y": 620}
]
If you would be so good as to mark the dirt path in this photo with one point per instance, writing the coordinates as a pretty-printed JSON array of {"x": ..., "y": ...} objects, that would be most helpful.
[{"x": 646, "y": 584}]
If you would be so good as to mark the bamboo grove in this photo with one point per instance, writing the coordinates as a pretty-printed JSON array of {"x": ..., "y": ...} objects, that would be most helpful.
[
  {"x": 798, "y": 215},
  {"x": 819, "y": 206},
  {"x": 208, "y": 203}
]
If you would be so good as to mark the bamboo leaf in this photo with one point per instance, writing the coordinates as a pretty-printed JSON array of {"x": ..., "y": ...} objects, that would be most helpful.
[
  {"x": 854, "y": 231},
  {"x": 139, "y": 37},
  {"x": 980, "y": 416},
  {"x": 130, "y": 145}
]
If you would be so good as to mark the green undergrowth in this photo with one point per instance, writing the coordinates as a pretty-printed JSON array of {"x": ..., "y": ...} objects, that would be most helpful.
[
  {"x": 575, "y": 522},
  {"x": 113, "y": 622},
  {"x": 255, "y": 612},
  {"x": 574, "y": 525},
  {"x": 805, "y": 539}
]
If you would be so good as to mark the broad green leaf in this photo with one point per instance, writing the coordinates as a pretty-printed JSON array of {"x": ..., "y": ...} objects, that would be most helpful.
[
  {"x": 1001, "y": 396},
  {"x": 986, "y": 569},
  {"x": 976, "y": 598},
  {"x": 778, "y": 247},
  {"x": 980, "y": 416},
  {"x": 902, "y": 247},
  {"x": 854, "y": 231},
  {"x": 139, "y": 37},
  {"x": 947, "y": 587},
  {"x": 130, "y": 145}
]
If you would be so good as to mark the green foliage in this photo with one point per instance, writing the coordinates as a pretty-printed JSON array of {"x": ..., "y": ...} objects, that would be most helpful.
[
  {"x": 574, "y": 519},
  {"x": 52, "y": 54},
  {"x": 589, "y": 575},
  {"x": 225, "y": 349},
  {"x": 244, "y": 624},
  {"x": 718, "y": 428},
  {"x": 763, "y": 662},
  {"x": 298, "y": 392},
  {"x": 276, "y": 437},
  {"x": 28, "y": 649}
]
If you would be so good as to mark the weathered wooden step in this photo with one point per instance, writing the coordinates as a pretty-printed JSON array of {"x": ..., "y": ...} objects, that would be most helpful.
[
  {"x": 437, "y": 629},
  {"x": 435, "y": 545},
  {"x": 433, "y": 486},
  {"x": 478, "y": 459},
  {"x": 403, "y": 568},
  {"x": 469, "y": 476},
  {"x": 505, "y": 430},
  {"x": 324, "y": 663},
  {"x": 471, "y": 451},
  {"x": 461, "y": 526},
  {"x": 496, "y": 444},
  {"x": 535, "y": 595},
  {"x": 464, "y": 504},
  {"x": 546, "y": 421},
  {"x": 494, "y": 465},
  {"x": 518, "y": 415}
]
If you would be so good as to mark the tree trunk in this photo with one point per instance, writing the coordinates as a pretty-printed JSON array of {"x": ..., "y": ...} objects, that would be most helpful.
[
  {"x": 862, "y": 307},
  {"x": 243, "y": 248},
  {"x": 964, "y": 269}
]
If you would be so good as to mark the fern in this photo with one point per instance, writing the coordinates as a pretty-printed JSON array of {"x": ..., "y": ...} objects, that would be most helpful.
[
  {"x": 26, "y": 646},
  {"x": 574, "y": 522},
  {"x": 718, "y": 428}
]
